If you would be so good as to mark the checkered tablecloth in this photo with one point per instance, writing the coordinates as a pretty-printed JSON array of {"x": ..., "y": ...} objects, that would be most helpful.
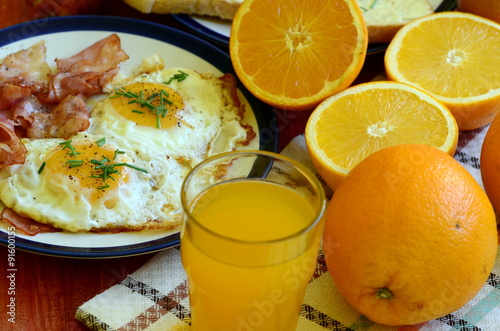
[{"x": 155, "y": 297}]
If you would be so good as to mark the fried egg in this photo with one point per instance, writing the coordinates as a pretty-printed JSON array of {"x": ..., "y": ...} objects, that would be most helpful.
[
  {"x": 188, "y": 115},
  {"x": 126, "y": 170},
  {"x": 90, "y": 184}
]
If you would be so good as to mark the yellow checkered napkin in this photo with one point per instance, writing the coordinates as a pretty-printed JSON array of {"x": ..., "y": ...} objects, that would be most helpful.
[{"x": 155, "y": 297}]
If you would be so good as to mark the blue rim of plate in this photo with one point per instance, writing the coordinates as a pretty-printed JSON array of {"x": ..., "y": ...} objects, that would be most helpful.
[
  {"x": 201, "y": 30},
  {"x": 266, "y": 120},
  {"x": 222, "y": 40}
]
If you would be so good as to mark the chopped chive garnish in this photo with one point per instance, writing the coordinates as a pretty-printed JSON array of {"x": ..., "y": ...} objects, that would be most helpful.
[
  {"x": 74, "y": 163},
  {"x": 41, "y": 167},
  {"x": 101, "y": 141},
  {"x": 104, "y": 160},
  {"x": 160, "y": 97},
  {"x": 120, "y": 92},
  {"x": 148, "y": 105},
  {"x": 153, "y": 96},
  {"x": 116, "y": 153},
  {"x": 130, "y": 166},
  {"x": 106, "y": 170},
  {"x": 67, "y": 145},
  {"x": 178, "y": 77}
]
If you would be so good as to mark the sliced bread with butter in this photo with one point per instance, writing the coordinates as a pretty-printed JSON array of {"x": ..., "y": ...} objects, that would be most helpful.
[
  {"x": 219, "y": 8},
  {"x": 385, "y": 17}
]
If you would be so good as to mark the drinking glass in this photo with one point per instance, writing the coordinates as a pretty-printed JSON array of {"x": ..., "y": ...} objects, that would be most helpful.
[{"x": 250, "y": 240}]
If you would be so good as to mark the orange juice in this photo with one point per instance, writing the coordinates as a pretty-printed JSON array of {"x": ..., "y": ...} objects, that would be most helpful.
[{"x": 249, "y": 254}]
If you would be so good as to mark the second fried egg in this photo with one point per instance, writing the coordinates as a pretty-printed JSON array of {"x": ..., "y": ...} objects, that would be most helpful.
[
  {"x": 88, "y": 183},
  {"x": 188, "y": 115}
]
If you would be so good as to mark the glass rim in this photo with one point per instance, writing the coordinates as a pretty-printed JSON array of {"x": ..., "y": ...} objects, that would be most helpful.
[{"x": 303, "y": 169}]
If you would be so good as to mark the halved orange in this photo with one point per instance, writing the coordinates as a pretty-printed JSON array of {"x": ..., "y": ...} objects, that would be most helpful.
[
  {"x": 292, "y": 54},
  {"x": 352, "y": 124},
  {"x": 455, "y": 57}
]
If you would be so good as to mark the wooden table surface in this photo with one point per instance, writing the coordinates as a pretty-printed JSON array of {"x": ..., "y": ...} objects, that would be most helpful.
[{"x": 48, "y": 290}]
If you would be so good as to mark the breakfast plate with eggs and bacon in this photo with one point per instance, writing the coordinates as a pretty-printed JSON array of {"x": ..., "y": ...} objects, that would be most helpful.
[{"x": 100, "y": 120}]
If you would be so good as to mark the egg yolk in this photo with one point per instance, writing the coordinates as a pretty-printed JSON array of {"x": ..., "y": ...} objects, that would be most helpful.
[
  {"x": 151, "y": 104},
  {"x": 88, "y": 166}
]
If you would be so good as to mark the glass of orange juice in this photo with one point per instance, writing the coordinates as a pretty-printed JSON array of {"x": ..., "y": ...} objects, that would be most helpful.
[{"x": 250, "y": 240}]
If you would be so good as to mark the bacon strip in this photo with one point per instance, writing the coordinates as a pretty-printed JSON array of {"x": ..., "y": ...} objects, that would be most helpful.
[
  {"x": 64, "y": 84},
  {"x": 10, "y": 94},
  {"x": 69, "y": 117},
  {"x": 27, "y": 68},
  {"x": 87, "y": 72},
  {"x": 12, "y": 150},
  {"x": 24, "y": 224},
  {"x": 99, "y": 57},
  {"x": 22, "y": 112},
  {"x": 46, "y": 105}
]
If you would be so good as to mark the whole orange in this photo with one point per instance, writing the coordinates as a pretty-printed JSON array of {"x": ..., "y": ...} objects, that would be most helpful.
[
  {"x": 485, "y": 8},
  {"x": 490, "y": 163},
  {"x": 410, "y": 236}
]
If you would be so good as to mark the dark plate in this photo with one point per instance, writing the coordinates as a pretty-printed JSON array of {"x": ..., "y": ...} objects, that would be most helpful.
[{"x": 64, "y": 36}]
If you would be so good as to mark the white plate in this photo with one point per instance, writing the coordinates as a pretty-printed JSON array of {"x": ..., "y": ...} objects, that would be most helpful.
[{"x": 65, "y": 36}]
